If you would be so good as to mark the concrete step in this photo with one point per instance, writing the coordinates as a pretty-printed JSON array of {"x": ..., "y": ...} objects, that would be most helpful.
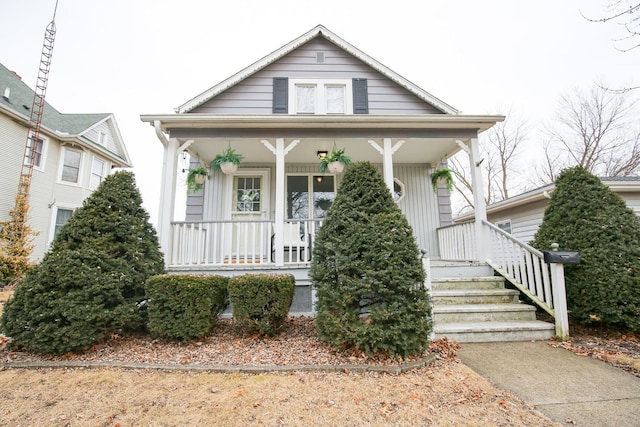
[
  {"x": 489, "y": 282},
  {"x": 483, "y": 313},
  {"x": 459, "y": 269},
  {"x": 474, "y": 296},
  {"x": 494, "y": 331}
]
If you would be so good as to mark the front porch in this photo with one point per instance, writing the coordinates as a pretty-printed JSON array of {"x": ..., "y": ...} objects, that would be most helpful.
[{"x": 471, "y": 304}]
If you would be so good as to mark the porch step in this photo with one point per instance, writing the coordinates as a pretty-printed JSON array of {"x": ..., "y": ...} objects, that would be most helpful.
[
  {"x": 475, "y": 296},
  {"x": 483, "y": 313},
  {"x": 471, "y": 307},
  {"x": 491, "y": 282},
  {"x": 494, "y": 331}
]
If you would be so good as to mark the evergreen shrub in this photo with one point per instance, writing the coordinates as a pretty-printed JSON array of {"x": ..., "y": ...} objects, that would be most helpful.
[
  {"x": 70, "y": 301},
  {"x": 91, "y": 283},
  {"x": 261, "y": 302},
  {"x": 185, "y": 306},
  {"x": 367, "y": 270},
  {"x": 585, "y": 216}
]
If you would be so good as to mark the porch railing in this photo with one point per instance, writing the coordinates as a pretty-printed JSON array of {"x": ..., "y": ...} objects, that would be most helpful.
[
  {"x": 238, "y": 242},
  {"x": 519, "y": 263}
]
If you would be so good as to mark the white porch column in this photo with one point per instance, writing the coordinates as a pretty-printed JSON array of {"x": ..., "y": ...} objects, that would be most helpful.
[
  {"x": 483, "y": 250},
  {"x": 280, "y": 152},
  {"x": 167, "y": 191},
  {"x": 387, "y": 150}
]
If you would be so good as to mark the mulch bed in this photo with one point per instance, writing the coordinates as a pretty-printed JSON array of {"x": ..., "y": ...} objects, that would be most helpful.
[{"x": 228, "y": 345}]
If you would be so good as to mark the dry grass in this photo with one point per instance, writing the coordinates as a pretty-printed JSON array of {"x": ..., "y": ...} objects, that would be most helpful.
[{"x": 447, "y": 394}]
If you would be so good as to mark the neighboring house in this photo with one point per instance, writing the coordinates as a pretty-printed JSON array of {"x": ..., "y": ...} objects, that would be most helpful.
[
  {"x": 311, "y": 95},
  {"x": 74, "y": 153},
  {"x": 522, "y": 215}
]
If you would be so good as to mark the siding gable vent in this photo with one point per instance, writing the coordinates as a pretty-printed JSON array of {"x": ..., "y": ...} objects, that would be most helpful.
[{"x": 320, "y": 57}]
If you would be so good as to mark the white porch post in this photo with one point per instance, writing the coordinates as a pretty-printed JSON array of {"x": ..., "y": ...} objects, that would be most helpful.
[
  {"x": 167, "y": 191},
  {"x": 482, "y": 236},
  {"x": 387, "y": 150},
  {"x": 280, "y": 152}
]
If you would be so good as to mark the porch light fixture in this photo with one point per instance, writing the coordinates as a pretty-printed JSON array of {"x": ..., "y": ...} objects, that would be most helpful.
[
  {"x": 318, "y": 178},
  {"x": 322, "y": 154}
]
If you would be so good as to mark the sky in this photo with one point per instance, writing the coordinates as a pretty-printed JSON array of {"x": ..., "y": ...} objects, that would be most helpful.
[{"x": 132, "y": 57}]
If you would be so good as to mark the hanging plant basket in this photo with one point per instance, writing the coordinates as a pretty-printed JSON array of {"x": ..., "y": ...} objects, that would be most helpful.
[
  {"x": 335, "y": 161},
  {"x": 195, "y": 179},
  {"x": 335, "y": 167},
  {"x": 228, "y": 168},
  {"x": 227, "y": 161},
  {"x": 442, "y": 176}
]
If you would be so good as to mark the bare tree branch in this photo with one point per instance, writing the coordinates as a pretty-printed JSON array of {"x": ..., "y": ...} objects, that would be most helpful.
[
  {"x": 499, "y": 150},
  {"x": 625, "y": 13},
  {"x": 595, "y": 130}
]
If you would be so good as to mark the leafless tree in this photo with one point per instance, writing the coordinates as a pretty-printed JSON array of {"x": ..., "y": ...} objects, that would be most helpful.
[
  {"x": 625, "y": 13},
  {"x": 499, "y": 150},
  {"x": 598, "y": 130}
]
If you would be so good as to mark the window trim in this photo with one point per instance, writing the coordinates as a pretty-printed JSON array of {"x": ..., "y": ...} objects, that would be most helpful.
[
  {"x": 54, "y": 217},
  {"x": 103, "y": 174},
  {"x": 504, "y": 222},
  {"x": 320, "y": 99},
  {"x": 78, "y": 183},
  {"x": 43, "y": 153}
]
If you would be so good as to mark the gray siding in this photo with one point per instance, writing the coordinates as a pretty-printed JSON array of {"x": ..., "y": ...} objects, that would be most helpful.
[
  {"x": 420, "y": 204},
  {"x": 254, "y": 94}
]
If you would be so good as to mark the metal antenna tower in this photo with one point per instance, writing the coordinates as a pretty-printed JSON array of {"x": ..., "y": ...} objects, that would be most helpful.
[{"x": 37, "y": 109}]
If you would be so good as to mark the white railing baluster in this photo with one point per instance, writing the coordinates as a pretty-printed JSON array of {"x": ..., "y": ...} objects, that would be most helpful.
[{"x": 519, "y": 263}]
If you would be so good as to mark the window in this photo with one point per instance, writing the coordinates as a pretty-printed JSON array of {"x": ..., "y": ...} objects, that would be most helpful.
[
  {"x": 71, "y": 166},
  {"x": 103, "y": 138},
  {"x": 62, "y": 216},
  {"x": 247, "y": 194},
  {"x": 97, "y": 173},
  {"x": 35, "y": 151},
  {"x": 320, "y": 96},
  {"x": 335, "y": 99},
  {"x": 299, "y": 198},
  {"x": 504, "y": 225},
  {"x": 398, "y": 190}
]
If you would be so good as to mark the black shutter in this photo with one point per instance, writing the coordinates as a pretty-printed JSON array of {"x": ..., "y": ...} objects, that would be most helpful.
[
  {"x": 360, "y": 96},
  {"x": 280, "y": 95}
]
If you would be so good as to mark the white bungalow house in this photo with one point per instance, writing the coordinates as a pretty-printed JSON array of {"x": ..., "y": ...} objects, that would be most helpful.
[
  {"x": 521, "y": 215},
  {"x": 74, "y": 153},
  {"x": 281, "y": 113}
]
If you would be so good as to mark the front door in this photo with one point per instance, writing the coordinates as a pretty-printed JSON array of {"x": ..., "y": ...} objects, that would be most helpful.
[{"x": 249, "y": 206}]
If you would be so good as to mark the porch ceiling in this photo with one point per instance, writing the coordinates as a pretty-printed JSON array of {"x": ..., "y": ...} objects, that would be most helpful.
[{"x": 428, "y": 138}]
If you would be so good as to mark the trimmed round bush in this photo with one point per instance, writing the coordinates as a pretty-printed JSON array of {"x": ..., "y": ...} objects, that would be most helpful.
[
  {"x": 585, "y": 216},
  {"x": 185, "y": 306},
  {"x": 261, "y": 302},
  {"x": 367, "y": 271}
]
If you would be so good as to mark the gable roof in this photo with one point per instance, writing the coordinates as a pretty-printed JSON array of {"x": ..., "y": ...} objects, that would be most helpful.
[
  {"x": 318, "y": 31},
  {"x": 66, "y": 127}
]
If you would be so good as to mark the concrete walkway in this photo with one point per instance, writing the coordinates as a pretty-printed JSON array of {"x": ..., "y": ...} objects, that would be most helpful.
[{"x": 569, "y": 389}]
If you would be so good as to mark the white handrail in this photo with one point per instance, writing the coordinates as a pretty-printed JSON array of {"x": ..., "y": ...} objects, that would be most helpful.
[{"x": 519, "y": 263}]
